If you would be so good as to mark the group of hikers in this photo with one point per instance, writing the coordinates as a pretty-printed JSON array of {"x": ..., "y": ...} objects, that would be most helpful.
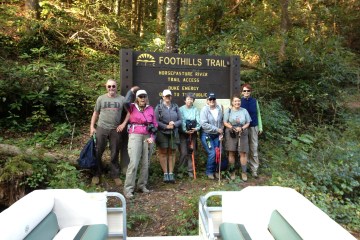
[{"x": 170, "y": 127}]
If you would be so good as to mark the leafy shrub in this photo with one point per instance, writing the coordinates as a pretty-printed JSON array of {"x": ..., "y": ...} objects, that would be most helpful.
[
  {"x": 41, "y": 88},
  {"x": 50, "y": 139},
  {"x": 323, "y": 166},
  {"x": 66, "y": 176}
]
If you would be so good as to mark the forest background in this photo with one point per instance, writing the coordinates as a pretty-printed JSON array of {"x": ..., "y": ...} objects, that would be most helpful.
[{"x": 300, "y": 56}]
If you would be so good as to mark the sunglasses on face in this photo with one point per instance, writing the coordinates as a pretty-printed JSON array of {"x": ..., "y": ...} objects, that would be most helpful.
[
  {"x": 142, "y": 96},
  {"x": 212, "y": 99},
  {"x": 246, "y": 90},
  {"x": 111, "y": 86},
  {"x": 168, "y": 96}
]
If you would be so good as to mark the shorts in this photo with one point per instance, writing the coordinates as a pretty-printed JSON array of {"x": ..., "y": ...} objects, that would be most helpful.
[
  {"x": 167, "y": 140},
  {"x": 231, "y": 144}
]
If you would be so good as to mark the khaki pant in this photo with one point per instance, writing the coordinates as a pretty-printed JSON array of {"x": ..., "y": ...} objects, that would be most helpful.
[
  {"x": 253, "y": 158},
  {"x": 138, "y": 151}
]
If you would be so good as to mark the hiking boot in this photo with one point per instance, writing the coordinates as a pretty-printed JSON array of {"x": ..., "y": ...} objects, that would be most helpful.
[
  {"x": 144, "y": 190},
  {"x": 211, "y": 176},
  {"x": 95, "y": 180},
  {"x": 117, "y": 181},
  {"x": 244, "y": 176},
  {"x": 171, "y": 178},
  {"x": 129, "y": 195},
  {"x": 166, "y": 177},
  {"x": 191, "y": 175},
  {"x": 232, "y": 175}
]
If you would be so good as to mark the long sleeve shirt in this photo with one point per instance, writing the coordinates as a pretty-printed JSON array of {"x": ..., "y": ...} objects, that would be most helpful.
[
  {"x": 208, "y": 123},
  {"x": 191, "y": 113}
]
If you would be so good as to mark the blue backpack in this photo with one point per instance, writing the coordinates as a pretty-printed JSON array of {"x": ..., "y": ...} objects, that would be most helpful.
[{"x": 87, "y": 158}]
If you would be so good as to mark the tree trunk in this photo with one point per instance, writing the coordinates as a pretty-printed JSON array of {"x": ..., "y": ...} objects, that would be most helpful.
[
  {"x": 134, "y": 11},
  {"x": 140, "y": 17},
  {"x": 13, "y": 189},
  {"x": 159, "y": 16},
  {"x": 117, "y": 7},
  {"x": 172, "y": 26},
  {"x": 32, "y": 8},
  {"x": 284, "y": 28},
  {"x": 11, "y": 150}
]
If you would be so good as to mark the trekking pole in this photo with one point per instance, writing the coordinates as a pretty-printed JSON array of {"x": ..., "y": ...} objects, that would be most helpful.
[
  {"x": 172, "y": 152},
  {"x": 238, "y": 146},
  {"x": 192, "y": 156},
  {"x": 220, "y": 160},
  {"x": 167, "y": 157}
]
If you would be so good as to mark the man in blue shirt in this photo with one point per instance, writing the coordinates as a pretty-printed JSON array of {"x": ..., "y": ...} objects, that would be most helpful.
[{"x": 255, "y": 129}]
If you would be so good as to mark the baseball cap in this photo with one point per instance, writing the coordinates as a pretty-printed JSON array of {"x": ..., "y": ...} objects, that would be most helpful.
[
  {"x": 211, "y": 95},
  {"x": 166, "y": 92},
  {"x": 140, "y": 92}
]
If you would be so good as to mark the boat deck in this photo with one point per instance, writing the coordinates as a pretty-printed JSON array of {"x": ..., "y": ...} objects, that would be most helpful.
[{"x": 165, "y": 238}]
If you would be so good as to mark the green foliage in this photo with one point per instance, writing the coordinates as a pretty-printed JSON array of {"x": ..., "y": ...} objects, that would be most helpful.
[
  {"x": 40, "y": 89},
  {"x": 186, "y": 219},
  {"x": 278, "y": 122},
  {"x": 14, "y": 169},
  {"x": 66, "y": 176},
  {"x": 39, "y": 176},
  {"x": 49, "y": 140},
  {"x": 323, "y": 165},
  {"x": 202, "y": 23},
  {"x": 136, "y": 219},
  {"x": 36, "y": 172}
]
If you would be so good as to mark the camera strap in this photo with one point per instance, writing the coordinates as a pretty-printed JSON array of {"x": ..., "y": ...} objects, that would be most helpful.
[{"x": 147, "y": 123}]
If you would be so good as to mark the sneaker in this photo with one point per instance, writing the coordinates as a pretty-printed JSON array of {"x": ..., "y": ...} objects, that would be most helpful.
[
  {"x": 129, "y": 195},
  {"x": 211, "y": 176},
  {"x": 254, "y": 174},
  {"x": 171, "y": 178},
  {"x": 95, "y": 181},
  {"x": 244, "y": 176},
  {"x": 232, "y": 176},
  {"x": 117, "y": 181},
  {"x": 144, "y": 190},
  {"x": 166, "y": 177},
  {"x": 217, "y": 175},
  {"x": 191, "y": 175}
]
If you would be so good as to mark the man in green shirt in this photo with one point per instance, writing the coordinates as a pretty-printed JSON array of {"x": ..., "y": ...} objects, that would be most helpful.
[{"x": 107, "y": 117}]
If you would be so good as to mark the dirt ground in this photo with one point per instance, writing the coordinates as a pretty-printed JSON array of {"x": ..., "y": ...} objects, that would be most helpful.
[{"x": 159, "y": 212}]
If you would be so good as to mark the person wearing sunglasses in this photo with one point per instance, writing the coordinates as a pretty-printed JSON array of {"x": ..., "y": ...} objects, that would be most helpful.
[
  {"x": 211, "y": 122},
  {"x": 168, "y": 117},
  {"x": 142, "y": 128},
  {"x": 255, "y": 128},
  {"x": 107, "y": 117}
]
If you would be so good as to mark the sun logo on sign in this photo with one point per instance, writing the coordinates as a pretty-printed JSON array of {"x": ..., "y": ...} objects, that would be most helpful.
[{"x": 145, "y": 59}]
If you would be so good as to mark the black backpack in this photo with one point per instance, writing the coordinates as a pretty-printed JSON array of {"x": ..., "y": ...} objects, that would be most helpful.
[{"x": 87, "y": 158}]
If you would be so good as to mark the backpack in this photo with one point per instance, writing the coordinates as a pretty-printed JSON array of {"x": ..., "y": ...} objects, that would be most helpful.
[{"x": 87, "y": 158}]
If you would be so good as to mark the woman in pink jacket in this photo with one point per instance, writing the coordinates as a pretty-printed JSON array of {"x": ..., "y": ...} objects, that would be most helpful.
[{"x": 142, "y": 127}]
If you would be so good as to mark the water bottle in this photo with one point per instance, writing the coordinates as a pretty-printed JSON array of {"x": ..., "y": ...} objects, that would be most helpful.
[{"x": 207, "y": 138}]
